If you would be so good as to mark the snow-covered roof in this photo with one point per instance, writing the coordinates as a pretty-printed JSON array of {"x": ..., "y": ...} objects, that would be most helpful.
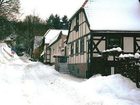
[
  {"x": 113, "y": 14},
  {"x": 37, "y": 41},
  {"x": 52, "y": 34}
]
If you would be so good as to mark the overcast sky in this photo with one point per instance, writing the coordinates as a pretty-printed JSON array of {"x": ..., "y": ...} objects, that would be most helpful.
[{"x": 43, "y": 8}]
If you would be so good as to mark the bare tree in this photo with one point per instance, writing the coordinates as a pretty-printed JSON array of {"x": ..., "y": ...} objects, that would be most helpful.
[{"x": 9, "y": 8}]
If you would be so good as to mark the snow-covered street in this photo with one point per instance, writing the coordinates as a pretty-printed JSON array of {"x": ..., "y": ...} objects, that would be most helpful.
[{"x": 33, "y": 83}]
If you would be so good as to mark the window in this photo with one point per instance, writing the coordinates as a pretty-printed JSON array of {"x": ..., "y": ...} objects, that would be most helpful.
[
  {"x": 82, "y": 45},
  {"x": 77, "y": 19},
  {"x": 77, "y": 47},
  {"x": 72, "y": 48},
  {"x": 62, "y": 59},
  {"x": 77, "y": 23},
  {"x": 113, "y": 42}
]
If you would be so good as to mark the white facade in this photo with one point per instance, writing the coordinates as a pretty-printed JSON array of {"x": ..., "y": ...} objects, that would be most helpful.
[{"x": 54, "y": 42}]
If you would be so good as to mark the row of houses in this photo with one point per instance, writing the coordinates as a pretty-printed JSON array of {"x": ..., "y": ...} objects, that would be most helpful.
[{"x": 96, "y": 26}]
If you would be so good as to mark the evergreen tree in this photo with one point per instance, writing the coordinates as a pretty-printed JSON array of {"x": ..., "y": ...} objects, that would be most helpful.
[
  {"x": 50, "y": 21},
  {"x": 65, "y": 22},
  {"x": 55, "y": 22}
]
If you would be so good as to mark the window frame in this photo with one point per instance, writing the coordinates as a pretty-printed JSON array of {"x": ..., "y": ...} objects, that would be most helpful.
[
  {"x": 113, "y": 42},
  {"x": 77, "y": 47},
  {"x": 76, "y": 27},
  {"x": 72, "y": 49},
  {"x": 82, "y": 46}
]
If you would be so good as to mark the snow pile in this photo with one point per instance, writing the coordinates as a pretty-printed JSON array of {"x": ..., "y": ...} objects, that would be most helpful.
[
  {"x": 33, "y": 83},
  {"x": 7, "y": 55},
  {"x": 110, "y": 90},
  {"x": 38, "y": 84}
]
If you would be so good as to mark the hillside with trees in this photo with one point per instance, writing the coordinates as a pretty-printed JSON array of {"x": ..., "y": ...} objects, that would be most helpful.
[{"x": 26, "y": 29}]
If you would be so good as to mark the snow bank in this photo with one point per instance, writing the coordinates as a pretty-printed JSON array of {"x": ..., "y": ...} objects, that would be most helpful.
[
  {"x": 110, "y": 90},
  {"x": 7, "y": 55},
  {"x": 33, "y": 83},
  {"x": 38, "y": 84}
]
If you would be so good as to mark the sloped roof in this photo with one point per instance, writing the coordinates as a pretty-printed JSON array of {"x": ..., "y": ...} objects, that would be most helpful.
[
  {"x": 113, "y": 14},
  {"x": 37, "y": 41},
  {"x": 52, "y": 35}
]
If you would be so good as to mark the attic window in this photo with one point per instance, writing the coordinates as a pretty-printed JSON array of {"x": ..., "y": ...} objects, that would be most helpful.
[
  {"x": 77, "y": 20},
  {"x": 77, "y": 23}
]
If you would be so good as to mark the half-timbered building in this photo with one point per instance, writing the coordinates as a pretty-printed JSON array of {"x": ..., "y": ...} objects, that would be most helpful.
[
  {"x": 54, "y": 44},
  {"x": 99, "y": 25}
]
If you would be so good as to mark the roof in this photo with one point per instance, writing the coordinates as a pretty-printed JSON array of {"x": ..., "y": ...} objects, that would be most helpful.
[
  {"x": 37, "y": 41},
  {"x": 113, "y": 14},
  {"x": 52, "y": 35}
]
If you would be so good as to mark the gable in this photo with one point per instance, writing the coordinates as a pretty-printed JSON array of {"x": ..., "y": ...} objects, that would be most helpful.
[
  {"x": 78, "y": 26},
  {"x": 52, "y": 35}
]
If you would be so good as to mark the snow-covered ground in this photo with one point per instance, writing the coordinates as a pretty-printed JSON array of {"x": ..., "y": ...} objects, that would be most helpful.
[{"x": 33, "y": 83}]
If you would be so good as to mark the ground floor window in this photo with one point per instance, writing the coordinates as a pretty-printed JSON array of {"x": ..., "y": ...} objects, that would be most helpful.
[
  {"x": 82, "y": 45},
  {"x": 72, "y": 48},
  {"x": 77, "y": 47}
]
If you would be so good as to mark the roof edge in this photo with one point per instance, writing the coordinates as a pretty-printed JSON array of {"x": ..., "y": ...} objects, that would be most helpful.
[{"x": 116, "y": 31}]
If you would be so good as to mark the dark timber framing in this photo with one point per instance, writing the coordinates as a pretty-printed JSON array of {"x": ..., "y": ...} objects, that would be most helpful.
[{"x": 96, "y": 42}]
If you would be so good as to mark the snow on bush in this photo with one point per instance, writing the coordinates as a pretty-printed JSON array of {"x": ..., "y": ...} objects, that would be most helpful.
[
  {"x": 118, "y": 49},
  {"x": 136, "y": 55},
  {"x": 7, "y": 55}
]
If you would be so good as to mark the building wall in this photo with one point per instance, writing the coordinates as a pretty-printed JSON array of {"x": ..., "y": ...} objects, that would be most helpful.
[
  {"x": 77, "y": 62},
  {"x": 57, "y": 48},
  {"x": 128, "y": 44},
  {"x": 100, "y": 44},
  {"x": 137, "y": 44},
  {"x": 82, "y": 65}
]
